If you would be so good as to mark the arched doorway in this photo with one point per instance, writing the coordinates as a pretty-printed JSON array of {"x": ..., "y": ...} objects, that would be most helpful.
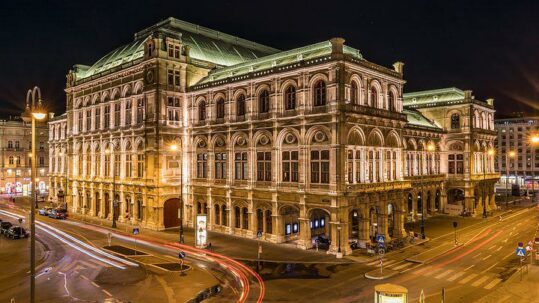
[
  {"x": 390, "y": 218},
  {"x": 170, "y": 213},
  {"x": 290, "y": 218},
  {"x": 97, "y": 202},
  {"x": 373, "y": 223},
  {"x": 354, "y": 219},
  {"x": 107, "y": 205},
  {"x": 455, "y": 196},
  {"x": 429, "y": 207},
  {"x": 437, "y": 200},
  {"x": 116, "y": 205},
  {"x": 259, "y": 220}
]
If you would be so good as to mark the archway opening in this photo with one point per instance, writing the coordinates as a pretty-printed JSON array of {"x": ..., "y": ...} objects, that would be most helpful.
[
  {"x": 373, "y": 223},
  {"x": 455, "y": 196},
  {"x": 170, "y": 213},
  {"x": 290, "y": 217},
  {"x": 355, "y": 220},
  {"x": 429, "y": 206}
]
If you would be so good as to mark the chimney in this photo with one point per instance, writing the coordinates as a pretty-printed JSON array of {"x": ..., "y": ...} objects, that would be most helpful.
[
  {"x": 490, "y": 101},
  {"x": 336, "y": 46},
  {"x": 398, "y": 67}
]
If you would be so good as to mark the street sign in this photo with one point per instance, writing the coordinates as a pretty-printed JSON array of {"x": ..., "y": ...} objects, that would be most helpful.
[
  {"x": 529, "y": 248},
  {"x": 259, "y": 234},
  {"x": 381, "y": 251},
  {"x": 455, "y": 224},
  {"x": 520, "y": 244},
  {"x": 380, "y": 239},
  {"x": 136, "y": 231},
  {"x": 521, "y": 252},
  {"x": 181, "y": 255}
]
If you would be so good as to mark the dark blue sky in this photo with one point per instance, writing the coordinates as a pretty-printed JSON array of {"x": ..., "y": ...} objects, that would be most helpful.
[{"x": 491, "y": 47}]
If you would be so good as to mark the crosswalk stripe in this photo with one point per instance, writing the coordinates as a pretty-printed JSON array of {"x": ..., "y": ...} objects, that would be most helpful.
[
  {"x": 389, "y": 262},
  {"x": 468, "y": 278},
  {"x": 455, "y": 276},
  {"x": 445, "y": 273},
  {"x": 402, "y": 266},
  {"x": 430, "y": 272},
  {"x": 492, "y": 284},
  {"x": 480, "y": 281},
  {"x": 424, "y": 269}
]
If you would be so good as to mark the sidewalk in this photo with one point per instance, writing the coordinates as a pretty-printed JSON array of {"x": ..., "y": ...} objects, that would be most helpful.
[
  {"x": 232, "y": 246},
  {"x": 514, "y": 290}
]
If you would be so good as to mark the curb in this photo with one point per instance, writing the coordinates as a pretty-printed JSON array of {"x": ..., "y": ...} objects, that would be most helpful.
[
  {"x": 426, "y": 261},
  {"x": 374, "y": 274}
]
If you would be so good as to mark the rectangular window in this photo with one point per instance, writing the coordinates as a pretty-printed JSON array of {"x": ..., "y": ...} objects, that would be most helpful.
[
  {"x": 177, "y": 78},
  {"x": 128, "y": 112},
  {"x": 263, "y": 166},
  {"x": 202, "y": 165},
  {"x": 290, "y": 166},
  {"x": 107, "y": 166},
  {"x": 117, "y": 113},
  {"x": 350, "y": 166},
  {"x": 240, "y": 165},
  {"x": 170, "y": 50},
  {"x": 220, "y": 166},
  {"x": 128, "y": 166},
  {"x": 170, "y": 77},
  {"x": 140, "y": 111},
  {"x": 320, "y": 166},
  {"x": 177, "y": 51},
  {"x": 97, "y": 118},
  {"x": 173, "y": 109},
  {"x": 140, "y": 166},
  {"x": 88, "y": 120},
  {"x": 358, "y": 166},
  {"x": 107, "y": 117},
  {"x": 117, "y": 165},
  {"x": 79, "y": 120}
]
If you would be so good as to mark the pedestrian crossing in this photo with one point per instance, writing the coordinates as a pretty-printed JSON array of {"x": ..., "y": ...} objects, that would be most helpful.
[{"x": 461, "y": 276}]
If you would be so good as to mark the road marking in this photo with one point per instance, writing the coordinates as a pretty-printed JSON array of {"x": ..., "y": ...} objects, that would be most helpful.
[
  {"x": 509, "y": 255},
  {"x": 445, "y": 273},
  {"x": 419, "y": 272},
  {"x": 455, "y": 276},
  {"x": 388, "y": 262},
  {"x": 85, "y": 278},
  {"x": 492, "y": 247},
  {"x": 505, "y": 241},
  {"x": 480, "y": 281},
  {"x": 514, "y": 228},
  {"x": 430, "y": 272},
  {"x": 484, "y": 271},
  {"x": 95, "y": 284},
  {"x": 486, "y": 257},
  {"x": 519, "y": 223},
  {"x": 402, "y": 266},
  {"x": 469, "y": 267},
  {"x": 476, "y": 256},
  {"x": 108, "y": 293},
  {"x": 511, "y": 233},
  {"x": 492, "y": 284},
  {"x": 499, "y": 248},
  {"x": 468, "y": 278}
]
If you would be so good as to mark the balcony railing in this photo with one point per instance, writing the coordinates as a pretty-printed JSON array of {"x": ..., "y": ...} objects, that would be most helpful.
[
  {"x": 371, "y": 111},
  {"x": 379, "y": 186}
]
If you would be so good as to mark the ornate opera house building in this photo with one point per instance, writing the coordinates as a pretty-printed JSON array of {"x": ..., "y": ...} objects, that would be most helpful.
[{"x": 287, "y": 144}]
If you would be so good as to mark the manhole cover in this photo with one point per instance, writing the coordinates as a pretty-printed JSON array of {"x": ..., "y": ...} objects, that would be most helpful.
[
  {"x": 126, "y": 251},
  {"x": 173, "y": 266}
]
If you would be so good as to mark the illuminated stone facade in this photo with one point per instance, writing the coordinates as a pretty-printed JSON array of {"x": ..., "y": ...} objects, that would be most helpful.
[{"x": 287, "y": 145}]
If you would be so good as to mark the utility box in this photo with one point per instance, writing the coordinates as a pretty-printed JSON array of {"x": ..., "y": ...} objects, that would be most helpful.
[{"x": 390, "y": 293}]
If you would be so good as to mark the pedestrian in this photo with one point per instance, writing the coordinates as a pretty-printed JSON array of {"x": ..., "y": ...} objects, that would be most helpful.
[{"x": 209, "y": 246}]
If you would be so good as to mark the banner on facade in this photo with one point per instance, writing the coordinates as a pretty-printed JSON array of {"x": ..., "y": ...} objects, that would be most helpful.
[
  {"x": 453, "y": 209},
  {"x": 201, "y": 232}
]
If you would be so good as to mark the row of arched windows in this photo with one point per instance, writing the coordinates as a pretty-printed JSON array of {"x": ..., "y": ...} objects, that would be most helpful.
[{"x": 264, "y": 104}]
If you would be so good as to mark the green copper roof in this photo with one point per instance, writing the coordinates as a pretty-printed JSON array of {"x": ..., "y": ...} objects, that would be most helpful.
[
  {"x": 205, "y": 44},
  {"x": 275, "y": 60},
  {"x": 430, "y": 96},
  {"x": 414, "y": 117}
]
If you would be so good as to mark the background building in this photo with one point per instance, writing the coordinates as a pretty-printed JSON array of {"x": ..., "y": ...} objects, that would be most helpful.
[
  {"x": 517, "y": 155},
  {"x": 292, "y": 145},
  {"x": 15, "y": 146}
]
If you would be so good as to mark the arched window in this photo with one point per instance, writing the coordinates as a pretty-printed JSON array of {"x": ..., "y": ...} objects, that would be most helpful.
[
  {"x": 320, "y": 93},
  {"x": 216, "y": 216},
  {"x": 202, "y": 111},
  {"x": 263, "y": 102},
  {"x": 354, "y": 93},
  {"x": 392, "y": 101},
  {"x": 290, "y": 98},
  {"x": 240, "y": 106},
  {"x": 455, "y": 121},
  {"x": 223, "y": 215},
  {"x": 373, "y": 97},
  {"x": 220, "y": 108}
]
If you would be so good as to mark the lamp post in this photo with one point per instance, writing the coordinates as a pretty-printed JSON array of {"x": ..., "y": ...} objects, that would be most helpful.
[
  {"x": 534, "y": 142},
  {"x": 339, "y": 239},
  {"x": 33, "y": 112},
  {"x": 174, "y": 148},
  {"x": 510, "y": 154},
  {"x": 66, "y": 185},
  {"x": 489, "y": 152},
  {"x": 430, "y": 148},
  {"x": 114, "y": 202}
]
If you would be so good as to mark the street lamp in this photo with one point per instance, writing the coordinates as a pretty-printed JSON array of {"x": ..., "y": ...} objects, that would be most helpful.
[
  {"x": 33, "y": 112},
  {"x": 490, "y": 152},
  {"x": 511, "y": 154},
  {"x": 174, "y": 148},
  {"x": 114, "y": 202},
  {"x": 64, "y": 190},
  {"x": 534, "y": 141},
  {"x": 430, "y": 148}
]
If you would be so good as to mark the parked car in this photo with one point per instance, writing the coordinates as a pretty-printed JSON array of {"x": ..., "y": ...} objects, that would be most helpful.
[
  {"x": 16, "y": 232},
  {"x": 322, "y": 241},
  {"x": 4, "y": 226},
  {"x": 58, "y": 213},
  {"x": 45, "y": 211}
]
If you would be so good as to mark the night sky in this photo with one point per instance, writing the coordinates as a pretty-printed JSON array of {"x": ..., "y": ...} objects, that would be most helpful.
[{"x": 491, "y": 47}]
